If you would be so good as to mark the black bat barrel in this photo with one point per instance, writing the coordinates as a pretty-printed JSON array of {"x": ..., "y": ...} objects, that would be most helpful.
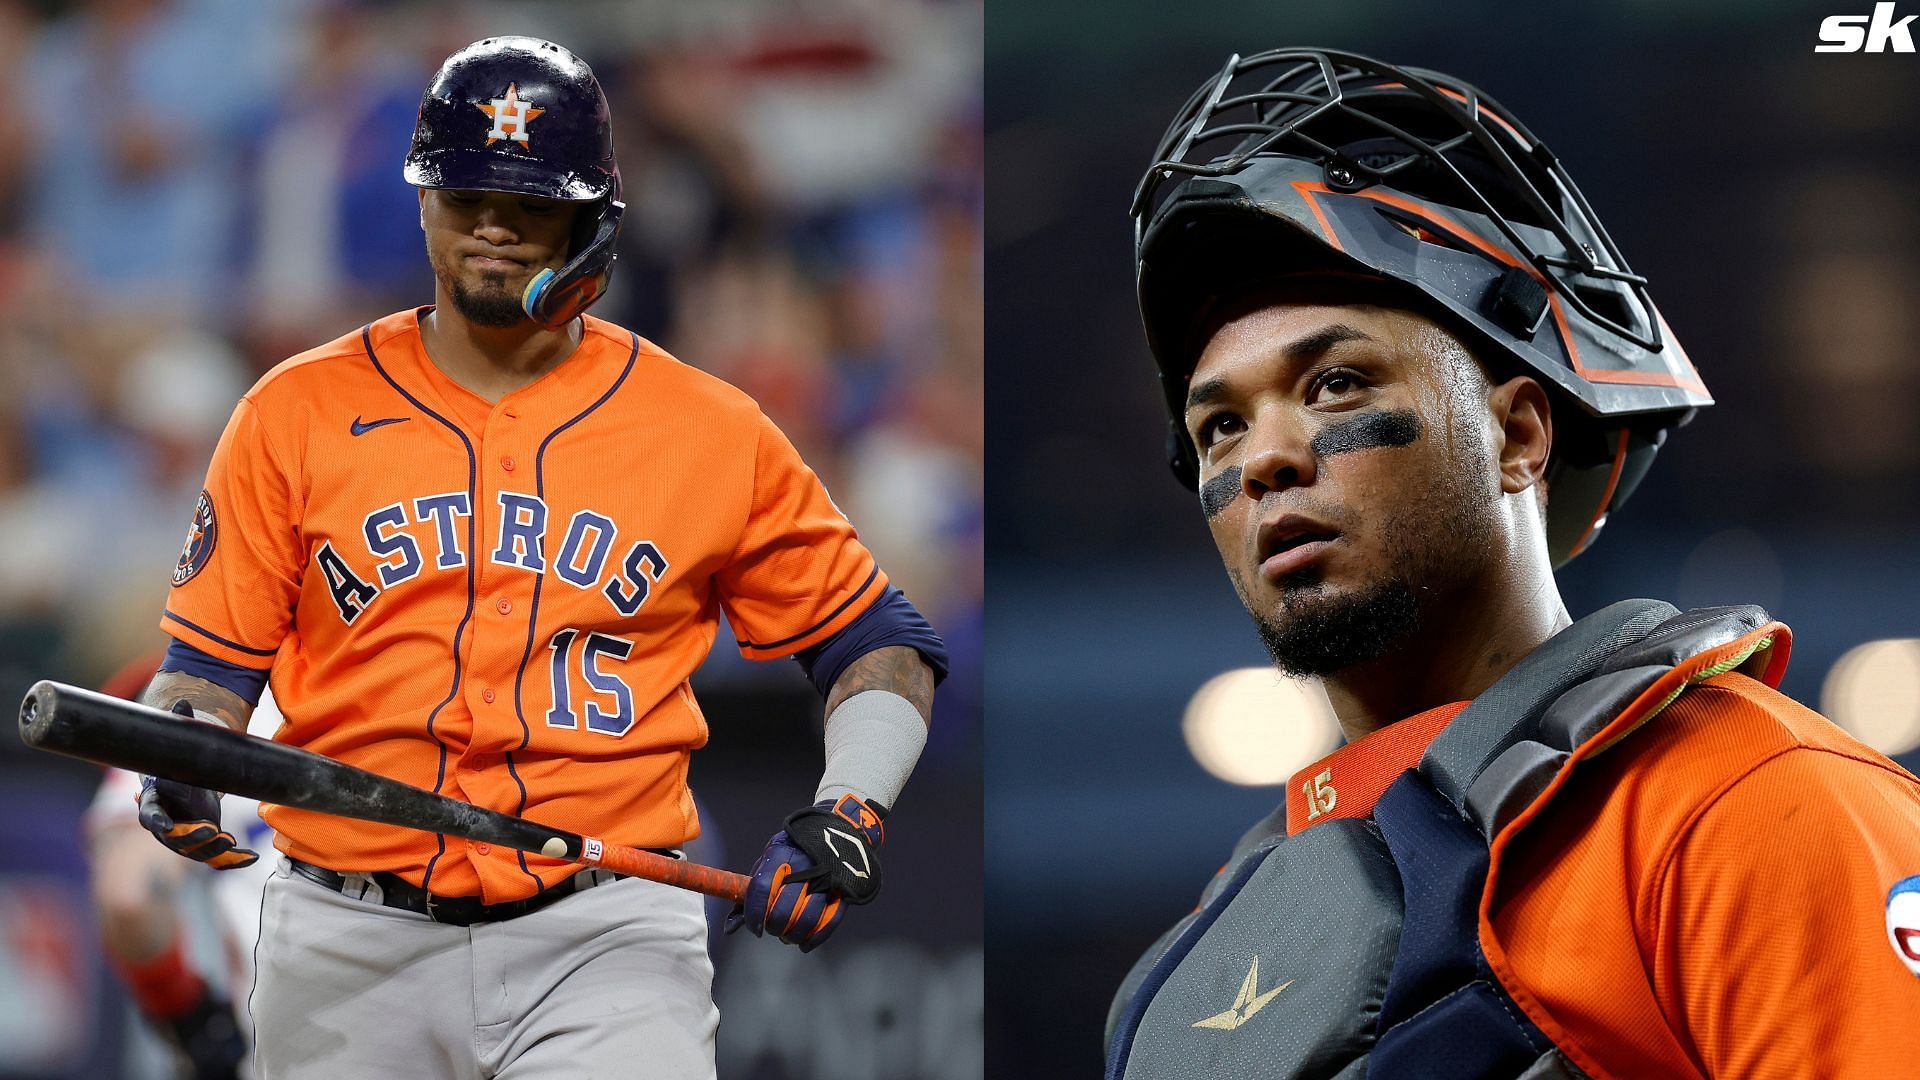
[{"x": 96, "y": 727}]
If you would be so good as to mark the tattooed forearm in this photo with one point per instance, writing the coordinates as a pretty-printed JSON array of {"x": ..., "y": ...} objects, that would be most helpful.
[
  {"x": 211, "y": 698},
  {"x": 898, "y": 669}
]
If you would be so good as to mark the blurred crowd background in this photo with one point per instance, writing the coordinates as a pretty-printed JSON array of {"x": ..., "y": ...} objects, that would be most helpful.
[
  {"x": 192, "y": 190},
  {"x": 1767, "y": 192}
]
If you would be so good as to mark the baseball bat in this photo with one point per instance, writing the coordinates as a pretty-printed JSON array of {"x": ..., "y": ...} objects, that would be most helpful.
[{"x": 79, "y": 723}]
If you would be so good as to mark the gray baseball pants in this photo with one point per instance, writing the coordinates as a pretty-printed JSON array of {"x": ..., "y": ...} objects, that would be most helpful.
[{"x": 612, "y": 981}]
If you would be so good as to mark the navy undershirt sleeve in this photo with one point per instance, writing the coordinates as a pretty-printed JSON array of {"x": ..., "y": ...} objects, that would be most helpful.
[
  {"x": 891, "y": 620},
  {"x": 187, "y": 660}
]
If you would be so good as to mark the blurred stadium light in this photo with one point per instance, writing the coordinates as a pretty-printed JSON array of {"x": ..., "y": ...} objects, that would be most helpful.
[
  {"x": 1253, "y": 726},
  {"x": 1873, "y": 691}
]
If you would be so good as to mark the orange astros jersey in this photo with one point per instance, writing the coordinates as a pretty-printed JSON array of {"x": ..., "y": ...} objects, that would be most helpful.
[{"x": 504, "y": 602}]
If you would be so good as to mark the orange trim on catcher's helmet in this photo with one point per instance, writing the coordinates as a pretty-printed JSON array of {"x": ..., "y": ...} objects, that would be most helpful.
[
  {"x": 1692, "y": 380},
  {"x": 1606, "y": 497},
  {"x": 1309, "y": 188},
  {"x": 1478, "y": 111},
  {"x": 1306, "y": 188}
]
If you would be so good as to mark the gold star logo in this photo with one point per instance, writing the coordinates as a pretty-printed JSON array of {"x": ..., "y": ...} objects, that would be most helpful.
[
  {"x": 510, "y": 116},
  {"x": 1246, "y": 1003}
]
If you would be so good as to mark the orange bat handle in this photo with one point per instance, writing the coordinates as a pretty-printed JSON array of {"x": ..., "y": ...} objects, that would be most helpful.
[{"x": 640, "y": 863}]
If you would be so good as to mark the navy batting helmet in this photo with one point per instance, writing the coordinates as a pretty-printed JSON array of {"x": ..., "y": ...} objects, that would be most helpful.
[
  {"x": 524, "y": 115},
  {"x": 1306, "y": 159}
]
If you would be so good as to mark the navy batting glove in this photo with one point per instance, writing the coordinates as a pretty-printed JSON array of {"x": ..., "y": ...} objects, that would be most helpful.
[
  {"x": 826, "y": 858},
  {"x": 187, "y": 819}
]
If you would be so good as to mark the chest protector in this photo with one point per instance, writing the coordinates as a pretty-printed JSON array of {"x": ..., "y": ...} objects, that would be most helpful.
[{"x": 1362, "y": 935}]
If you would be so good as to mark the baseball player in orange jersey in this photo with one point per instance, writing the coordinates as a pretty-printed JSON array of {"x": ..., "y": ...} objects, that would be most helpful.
[
  {"x": 481, "y": 546},
  {"x": 1408, "y": 375}
]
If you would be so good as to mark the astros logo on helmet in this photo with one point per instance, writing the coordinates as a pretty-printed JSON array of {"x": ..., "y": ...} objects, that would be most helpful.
[{"x": 510, "y": 116}]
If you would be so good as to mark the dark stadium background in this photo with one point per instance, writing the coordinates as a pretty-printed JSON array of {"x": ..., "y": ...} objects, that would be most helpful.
[
  {"x": 1768, "y": 193},
  {"x": 192, "y": 190}
]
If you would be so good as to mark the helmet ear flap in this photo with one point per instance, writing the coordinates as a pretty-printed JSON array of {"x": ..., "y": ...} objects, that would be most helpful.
[
  {"x": 1180, "y": 457},
  {"x": 1596, "y": 487},
  {"x": 554, "y": 297}
]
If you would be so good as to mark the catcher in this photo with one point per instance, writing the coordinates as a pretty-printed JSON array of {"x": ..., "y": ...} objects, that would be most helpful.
[{"x": 1408, "y": 375}]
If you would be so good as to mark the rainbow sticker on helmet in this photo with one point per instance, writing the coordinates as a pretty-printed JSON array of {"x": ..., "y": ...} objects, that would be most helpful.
[
  {"x": 200, "y": 540},
  {"x": 1903, "y": 922}
]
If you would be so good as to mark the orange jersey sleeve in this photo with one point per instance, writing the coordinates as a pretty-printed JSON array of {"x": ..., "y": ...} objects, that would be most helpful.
[
  {"x": 240, "y": 570},
  {"x": 1772, "y": 940},
  {"x": 800, "y": 573},
  {"x": 1711, "y": 899}
]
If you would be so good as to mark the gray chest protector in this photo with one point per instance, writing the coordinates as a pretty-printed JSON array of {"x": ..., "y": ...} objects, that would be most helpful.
[{"x": 1352, "y": 948}]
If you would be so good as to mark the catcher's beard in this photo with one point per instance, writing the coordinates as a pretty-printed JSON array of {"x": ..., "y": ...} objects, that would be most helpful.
[
  {"x": 1435, "y": 545},
  {"x": 1322, "y": 634}
]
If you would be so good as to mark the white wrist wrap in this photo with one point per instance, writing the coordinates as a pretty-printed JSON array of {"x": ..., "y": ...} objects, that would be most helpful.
[{"x": 873, "y": 740}]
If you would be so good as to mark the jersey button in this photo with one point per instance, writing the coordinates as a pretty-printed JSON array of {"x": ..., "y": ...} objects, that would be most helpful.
[
  {"x": 506, "y": 463},
  {"x": 482, "y": 849},
  {"x": 486, "y": 696},
  {"x": 503, "y": 605}
]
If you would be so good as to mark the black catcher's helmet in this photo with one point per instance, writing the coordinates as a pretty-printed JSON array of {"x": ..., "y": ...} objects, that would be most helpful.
[
  {"x": 524, "y": 115},
  {"x": 1309, "y": 159}
]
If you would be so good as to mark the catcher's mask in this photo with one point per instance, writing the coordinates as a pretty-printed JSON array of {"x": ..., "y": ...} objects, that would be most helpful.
[
  {"x": 1309, "y": 159},
  {"x": 519, "y": 114}
]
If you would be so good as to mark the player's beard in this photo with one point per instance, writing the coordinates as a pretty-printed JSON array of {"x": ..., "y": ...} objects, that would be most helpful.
[
  {"x": 493, "y": 304},
  {"x": 1320, "y": 634},
  {"x": 1435, "y": 546}
]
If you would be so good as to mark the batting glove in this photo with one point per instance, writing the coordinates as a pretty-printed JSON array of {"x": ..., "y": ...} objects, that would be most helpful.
[
  {"x": 825, "y": 859},
  {"x": 187, "y": 819}
]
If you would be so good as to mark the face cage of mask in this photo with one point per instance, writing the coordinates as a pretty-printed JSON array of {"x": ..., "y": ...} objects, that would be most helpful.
[{"x": 1313, "y": 85}]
